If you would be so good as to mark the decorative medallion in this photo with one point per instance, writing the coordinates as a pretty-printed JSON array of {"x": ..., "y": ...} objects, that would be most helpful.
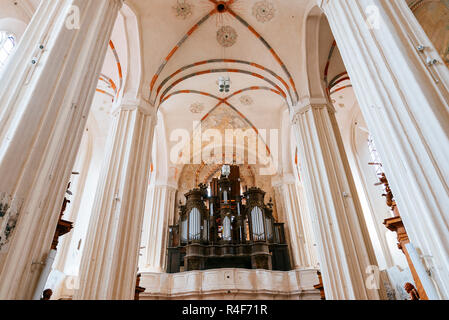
[
  {"x": 196, "y": 108},
  {"x": 237, "y": 123},
  {"x": 227, "y": 36},
  {"x": 183, "y": 9},
  {"x": 246, "y": 100},
  {"x": 264, "y": 11}
]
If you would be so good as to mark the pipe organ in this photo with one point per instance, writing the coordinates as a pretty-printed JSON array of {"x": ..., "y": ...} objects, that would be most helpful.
[{"x": 221, "y": 228}]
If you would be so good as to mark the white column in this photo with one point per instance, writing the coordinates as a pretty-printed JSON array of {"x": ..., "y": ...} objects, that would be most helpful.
[
  {"x": 67, "y": 244},
  {"x": 46, "y": 91},
  {"x": 109, "y": 264},
  {"x": 159, "y": 214},
  {"x": 297, "y": 223},
  {"x": 343, "y": 243},
  {"x": 405, "y": 103}
]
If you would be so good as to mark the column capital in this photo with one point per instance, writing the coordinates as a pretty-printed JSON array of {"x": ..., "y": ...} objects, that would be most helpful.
[
  {"x": 140, "y": 105},
  {"x": 310, "y": 104}
]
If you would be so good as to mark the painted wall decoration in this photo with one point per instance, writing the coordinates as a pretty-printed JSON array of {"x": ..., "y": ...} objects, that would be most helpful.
[
  {"x": 264, "y": 11},
  {"x": 197, "y": 108},
  {"x": 246, "y": 100},
  {"x": 183, "y": 9},
  {"x": 9, "y": 214},
  {"x": 434, "y": 18},
  {"x": 227, "y": 36}
]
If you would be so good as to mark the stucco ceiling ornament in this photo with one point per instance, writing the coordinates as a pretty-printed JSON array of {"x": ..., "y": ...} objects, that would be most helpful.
[
  {"x": 196, "y": 108},
  {"x": 183, "y": 9},
  {"x": 264, "y": 11},
  {"x": 227, "y": 36},
  {"x": 246, "y": 100}
]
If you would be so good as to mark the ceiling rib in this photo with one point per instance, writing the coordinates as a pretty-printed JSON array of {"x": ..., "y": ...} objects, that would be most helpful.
[
  {"x": 253, "y": 74},
  {"x": 258, "y": 66},
  {"x": 246, "y": 24}
]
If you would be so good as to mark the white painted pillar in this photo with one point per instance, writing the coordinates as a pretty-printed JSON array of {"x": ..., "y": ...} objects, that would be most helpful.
[
  {"x": 343, "y": 243},
  {"x": 109, "y": 265},
  {"x": 297, "y": 224},
  {"x": 309, "y": 239},
  {"x": 405, "y": 103},
  {"x": 46, "y": 91},
  {"x": 159, "y": 214}
]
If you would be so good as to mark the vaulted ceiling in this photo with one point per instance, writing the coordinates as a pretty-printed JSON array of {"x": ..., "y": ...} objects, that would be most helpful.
[{"x": 188, "y": 44}]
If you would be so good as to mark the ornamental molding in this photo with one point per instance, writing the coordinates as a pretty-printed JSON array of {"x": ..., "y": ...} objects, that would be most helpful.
[
  {"x": 9, "y": 215},
  {"x": 183, "y": 9},
  {"x": 264, "y": 11},
  {"x": 313, "y": 107},
  {"x": 415, "y": 5},
  {"x": 161, "y": 186},
  {"x": 140, "y": 105},
  {"x": 284, "y": 180},
  {"x": 227, "y": 36},
  {"x": 309, "y": 105}
]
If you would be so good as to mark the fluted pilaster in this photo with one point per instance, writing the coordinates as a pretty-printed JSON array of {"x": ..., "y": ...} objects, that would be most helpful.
[
  {"x": 45, "y": 96},
  {"x": 402, "y": 88},
  {"x": 109, "y": 264}
]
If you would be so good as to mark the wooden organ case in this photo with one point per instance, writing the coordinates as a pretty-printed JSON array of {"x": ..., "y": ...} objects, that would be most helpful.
[{"x": 220, "y": 228}]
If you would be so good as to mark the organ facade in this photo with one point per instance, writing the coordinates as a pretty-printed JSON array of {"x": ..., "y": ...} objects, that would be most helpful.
[{"x": 219, "y": 227}]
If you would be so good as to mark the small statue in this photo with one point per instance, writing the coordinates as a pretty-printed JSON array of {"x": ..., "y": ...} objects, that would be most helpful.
[
  {"x": 411, "y": 290},
  {"x": 47, "y": 294}
]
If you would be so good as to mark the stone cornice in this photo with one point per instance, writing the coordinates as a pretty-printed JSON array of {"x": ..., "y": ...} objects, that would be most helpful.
[{"x": 322, "y": 3}]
